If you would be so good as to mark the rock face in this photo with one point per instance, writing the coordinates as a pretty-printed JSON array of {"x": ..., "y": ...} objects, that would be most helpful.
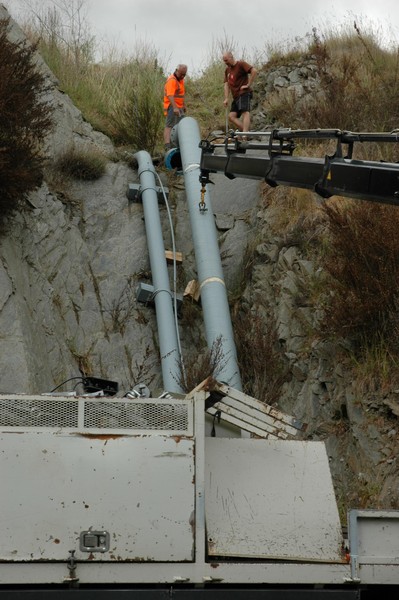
[
  {"x": 296, "y": 80},
  {"x": 68, "y": 268},
  {"x": 70, "y": 265}
]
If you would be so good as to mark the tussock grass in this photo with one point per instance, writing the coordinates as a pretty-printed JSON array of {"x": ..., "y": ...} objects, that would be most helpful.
[
  {"x": 376, "y": 368},
  {"x": 289, "y": 206},
  {"x": 86, "y": 165}
]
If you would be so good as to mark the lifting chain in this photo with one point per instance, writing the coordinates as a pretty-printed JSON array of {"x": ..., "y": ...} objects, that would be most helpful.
[{"x": 202, "y": 205}]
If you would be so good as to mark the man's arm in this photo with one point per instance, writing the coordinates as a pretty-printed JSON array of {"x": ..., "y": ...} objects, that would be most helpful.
[
  {"x": 170, "y": 92},
  {"x": 252, "y": 74},
  {"x": 173, "y": 103},
  {"x": 226, "y": 93}
]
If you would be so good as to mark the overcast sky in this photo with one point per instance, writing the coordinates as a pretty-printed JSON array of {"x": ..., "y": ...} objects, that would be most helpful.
[{"x": 191, "y": 31}]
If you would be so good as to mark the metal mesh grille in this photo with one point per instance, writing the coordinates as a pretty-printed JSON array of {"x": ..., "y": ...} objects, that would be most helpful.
[
  {"x": 83, "y": 415},
  {"x": 38, "y": 413},
  {"x": 136, "y": 415}
]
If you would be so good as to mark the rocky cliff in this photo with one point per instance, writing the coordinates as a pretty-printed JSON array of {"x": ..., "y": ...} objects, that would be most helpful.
[{"x": 71, "y": 262}]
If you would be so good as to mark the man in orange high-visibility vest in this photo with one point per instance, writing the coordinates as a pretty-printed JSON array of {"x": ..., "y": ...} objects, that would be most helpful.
[{"x": 174, "y": 107}]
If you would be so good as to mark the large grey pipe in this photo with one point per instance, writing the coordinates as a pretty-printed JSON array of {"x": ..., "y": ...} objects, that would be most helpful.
[
  {"x": 166, "y": 321},
  {"x": 218, "y": 328}
]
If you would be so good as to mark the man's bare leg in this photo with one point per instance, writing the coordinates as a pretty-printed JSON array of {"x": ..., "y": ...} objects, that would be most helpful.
[
  {"x": 241, "y": 125},
  {"x": 166, "y": 135},
  {"x": 236, "y": 121},
  {"x": 246, "y": 120}
]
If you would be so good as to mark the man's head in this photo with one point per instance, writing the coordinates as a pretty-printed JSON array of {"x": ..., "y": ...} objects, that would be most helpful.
[
  {"x": 181, "y": 71},
  {"x": 228, "y": 59}
]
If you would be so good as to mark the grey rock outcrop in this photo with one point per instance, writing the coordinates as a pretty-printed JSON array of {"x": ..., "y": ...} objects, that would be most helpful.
[{"x": 296, "y": 81}]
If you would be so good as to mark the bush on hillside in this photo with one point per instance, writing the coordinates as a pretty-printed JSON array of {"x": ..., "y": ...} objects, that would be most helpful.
[
  {"x": 135, "y": 111},
  {"x": 25, "y": 120},
  {"x": 363, "y": 262},
  {"x": 202, "y": 365},
  {"x": 264, "y": 370}
]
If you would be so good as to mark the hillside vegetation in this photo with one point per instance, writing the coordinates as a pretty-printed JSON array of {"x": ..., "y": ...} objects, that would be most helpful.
[{"x": 25, "y": 119}]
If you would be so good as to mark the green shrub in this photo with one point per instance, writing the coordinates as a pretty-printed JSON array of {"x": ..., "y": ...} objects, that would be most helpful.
[
  {"x": 135, "y": 114},
  {"x": 25, "y": 120}
]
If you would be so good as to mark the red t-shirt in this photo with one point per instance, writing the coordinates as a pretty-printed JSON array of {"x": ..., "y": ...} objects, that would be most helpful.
[{"x": 237, "y": 76}]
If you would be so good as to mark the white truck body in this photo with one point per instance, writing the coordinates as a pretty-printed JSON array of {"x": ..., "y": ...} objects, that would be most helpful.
[{"x": 98, "y": 490}]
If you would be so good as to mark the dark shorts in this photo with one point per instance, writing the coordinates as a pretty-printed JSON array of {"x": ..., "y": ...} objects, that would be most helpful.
[
  {"x": 171, "y": 118},
  {"x": 241, "y": 104}
]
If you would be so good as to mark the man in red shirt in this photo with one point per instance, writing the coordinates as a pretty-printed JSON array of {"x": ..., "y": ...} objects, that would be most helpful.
[
  {"x": 238, "y": 77},
  {"x": 173, "y": 102}
]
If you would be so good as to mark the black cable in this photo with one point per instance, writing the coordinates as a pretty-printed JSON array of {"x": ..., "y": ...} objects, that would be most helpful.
[
  {"x": 78, "y": 383},
  {"x": 66, "y": 381}
]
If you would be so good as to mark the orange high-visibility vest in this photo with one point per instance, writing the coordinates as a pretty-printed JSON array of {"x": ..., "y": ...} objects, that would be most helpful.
[{"x": 175, "y": 88}]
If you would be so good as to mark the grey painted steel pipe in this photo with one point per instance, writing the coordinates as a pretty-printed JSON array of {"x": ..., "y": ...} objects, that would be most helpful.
[
  {"x": 166, "y": 322},
  {"x": 215, "y": 306}
]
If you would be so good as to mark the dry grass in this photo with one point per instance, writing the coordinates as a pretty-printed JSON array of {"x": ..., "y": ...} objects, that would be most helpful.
[
  {"x": 83, "y": 164},
  {"x": 364, "y": 268},
  {"x": 358, "y": 84},
  {"x": 263, "y": 369},
  {"x": 202, "y": 365},
  {"x": 289, "y": 205}
]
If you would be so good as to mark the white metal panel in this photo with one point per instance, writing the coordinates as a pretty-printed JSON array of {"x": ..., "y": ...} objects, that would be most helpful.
[
  {"x": 55, "y": 485},
  {"x": 374, "y": 536},
  {"x": 270, "y": 499},
  {"x": 373, "y": 540}
]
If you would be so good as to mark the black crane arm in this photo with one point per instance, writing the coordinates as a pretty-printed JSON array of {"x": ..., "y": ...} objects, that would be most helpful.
[{"x": 274, "y": 162}]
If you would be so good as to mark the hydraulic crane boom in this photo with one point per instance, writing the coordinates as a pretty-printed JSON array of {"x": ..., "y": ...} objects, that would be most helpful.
[{"x": 272, "y": 159}]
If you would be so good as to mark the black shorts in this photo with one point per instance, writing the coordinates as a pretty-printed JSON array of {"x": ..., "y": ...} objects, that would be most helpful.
[{"x": 241, "y": 104}]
